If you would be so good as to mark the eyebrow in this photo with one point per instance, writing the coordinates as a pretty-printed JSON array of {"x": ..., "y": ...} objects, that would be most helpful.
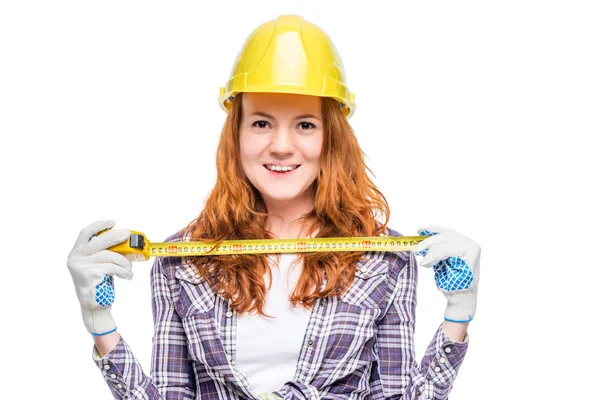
[{"x": 266, "y": 115}]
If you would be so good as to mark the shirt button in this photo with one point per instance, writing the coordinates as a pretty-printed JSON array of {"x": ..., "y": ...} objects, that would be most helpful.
[
  {"x": 313, "y": 398},
  {"x": 311, "y": 342},
  {"x": 229, "y": 314},
  {"x": 363, "y": 269},
  {"x": 442, "y": 360},
  {"x": 113, "y": 376},
  {"x": 106, "y": 366},
  {"x": 437, "y": 369},
  {"x": 119, "y": 385},
  {"x": 447, "y": 350}
]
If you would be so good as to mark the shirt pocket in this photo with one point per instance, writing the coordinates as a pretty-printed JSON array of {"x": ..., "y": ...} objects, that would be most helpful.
[
  {"x": 195, "y": 294},
  {"x": 196, "y": 307},
  {"x": 369, "y": 288},
  {"x": 349, "y": 344}
]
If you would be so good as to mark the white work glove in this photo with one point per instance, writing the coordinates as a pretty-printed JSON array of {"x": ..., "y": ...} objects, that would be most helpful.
[
  {"x": 92, "y": 267},
  {"x": 455, "y": 260}
]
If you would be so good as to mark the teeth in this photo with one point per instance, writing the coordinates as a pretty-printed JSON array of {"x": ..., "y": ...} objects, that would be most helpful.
[{"x": 280, "y": 168}]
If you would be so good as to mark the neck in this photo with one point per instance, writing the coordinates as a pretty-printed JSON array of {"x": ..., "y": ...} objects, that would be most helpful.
[{"x": 284, "y": 214}]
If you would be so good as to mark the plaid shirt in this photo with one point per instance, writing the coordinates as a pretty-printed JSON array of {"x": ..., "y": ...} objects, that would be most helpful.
[{"x": 357, "y": 346}]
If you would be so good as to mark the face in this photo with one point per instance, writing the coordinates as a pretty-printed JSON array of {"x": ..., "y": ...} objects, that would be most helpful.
[{"x": 281, "y": 136}]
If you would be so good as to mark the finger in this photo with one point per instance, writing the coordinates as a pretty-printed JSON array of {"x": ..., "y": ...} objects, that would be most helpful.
[
  {"x": 448, "y": 237},
  {"x": 429, "y": 261},
  {"x": 92, "y": 229},
  {"x": 113, "y": 269},
  {"x": 425, "y": 263},
  {"x": 433, "y": 228},
  {"x": 439, "y": 252},
  {"x": 135, "y": 257},
  {"x": 428, "y": 242},
  {"x": 111, "y": 257},
  {"x": 106, "y": 240}
]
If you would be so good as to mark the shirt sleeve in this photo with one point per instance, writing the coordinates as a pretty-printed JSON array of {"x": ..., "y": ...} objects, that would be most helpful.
[
  {"x": 171, "y": 373},
  {"x": 402, "y": 377}
]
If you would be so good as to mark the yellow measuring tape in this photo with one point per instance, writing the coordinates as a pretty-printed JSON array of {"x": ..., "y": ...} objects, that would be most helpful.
[{"x": 139, "y": 244}]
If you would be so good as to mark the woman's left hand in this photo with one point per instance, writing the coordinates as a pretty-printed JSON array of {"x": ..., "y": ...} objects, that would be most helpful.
[{"x": 455, "y": 260}]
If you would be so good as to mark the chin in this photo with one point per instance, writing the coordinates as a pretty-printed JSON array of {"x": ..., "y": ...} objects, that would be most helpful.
[{"x": 279, "y": 197}]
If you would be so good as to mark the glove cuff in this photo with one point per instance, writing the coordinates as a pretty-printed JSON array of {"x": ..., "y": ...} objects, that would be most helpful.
[
  {"x": 461, "y": 306},
  {"x": 99, "y": 320}
]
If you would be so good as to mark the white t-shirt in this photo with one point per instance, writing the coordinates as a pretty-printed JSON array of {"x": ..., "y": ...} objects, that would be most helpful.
[{"x": 267, "y": 349}]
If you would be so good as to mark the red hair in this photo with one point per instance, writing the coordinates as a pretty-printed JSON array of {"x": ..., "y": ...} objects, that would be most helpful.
[{"x": 347, "y": 203}]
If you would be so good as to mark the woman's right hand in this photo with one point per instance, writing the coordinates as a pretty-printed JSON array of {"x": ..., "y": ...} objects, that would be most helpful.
[{"x": 92, "y": 267}]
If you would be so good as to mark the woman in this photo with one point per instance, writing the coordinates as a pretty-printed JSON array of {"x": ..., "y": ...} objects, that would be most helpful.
[{"x": 294, "y": 326}]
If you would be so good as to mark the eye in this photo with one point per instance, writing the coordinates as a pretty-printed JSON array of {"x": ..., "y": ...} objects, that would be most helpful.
[
  {"x": 307, "y": 125},
  {"x": 261, "y": 124}
]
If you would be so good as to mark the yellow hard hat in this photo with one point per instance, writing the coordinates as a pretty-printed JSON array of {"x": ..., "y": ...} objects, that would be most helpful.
[{"x": 289, "y": 55}]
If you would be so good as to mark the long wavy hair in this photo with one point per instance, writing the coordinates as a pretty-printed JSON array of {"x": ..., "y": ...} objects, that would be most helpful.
[{"x": 346, "y": 203}]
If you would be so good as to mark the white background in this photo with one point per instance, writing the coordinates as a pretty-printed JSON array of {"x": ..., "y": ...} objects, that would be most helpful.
[{"x": 480, "y": 116}]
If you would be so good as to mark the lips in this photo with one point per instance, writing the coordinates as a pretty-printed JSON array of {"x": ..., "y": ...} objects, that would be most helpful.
[
  {"x": 280, "y": 173},
  {"x": 295, "y": 167}
]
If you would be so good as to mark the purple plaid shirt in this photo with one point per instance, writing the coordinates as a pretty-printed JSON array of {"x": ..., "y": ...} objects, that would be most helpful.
[{"x": 357, "y": 346}]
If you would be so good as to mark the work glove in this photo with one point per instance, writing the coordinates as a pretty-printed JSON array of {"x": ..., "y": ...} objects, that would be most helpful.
[
  {"x": 92, "y": 268},
  {"x": 455, "y": 260}
]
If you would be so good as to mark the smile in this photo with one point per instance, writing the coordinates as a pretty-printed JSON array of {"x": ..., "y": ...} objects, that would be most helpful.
[{"x": 280, "y": 168}]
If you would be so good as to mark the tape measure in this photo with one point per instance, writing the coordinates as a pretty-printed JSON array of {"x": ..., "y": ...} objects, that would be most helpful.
[{"x": 140, "y": 245}]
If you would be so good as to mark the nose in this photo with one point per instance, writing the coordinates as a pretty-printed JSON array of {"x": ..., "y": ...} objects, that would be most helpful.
[{"x": 282, "y": 141}]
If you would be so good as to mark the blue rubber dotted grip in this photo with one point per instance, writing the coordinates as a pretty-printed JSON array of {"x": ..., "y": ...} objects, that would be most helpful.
[
  {"x": 105, "y": 290},
  {"x": 452, "y": 273}
]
